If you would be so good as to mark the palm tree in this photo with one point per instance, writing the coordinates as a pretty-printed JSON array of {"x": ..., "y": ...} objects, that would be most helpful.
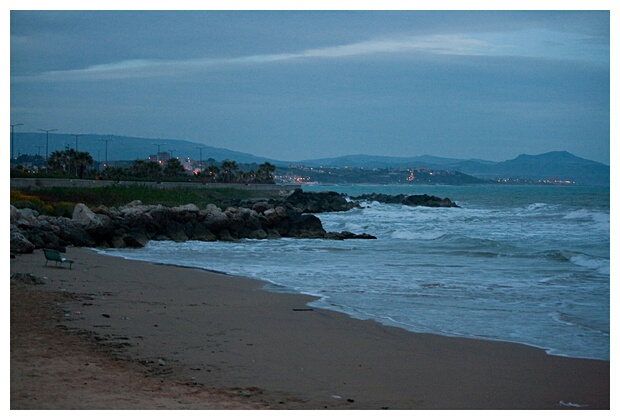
[
  {"x": 82, "y": 161},
  {"x": 174, "y": 168},
  {"x": 229, "y": 169},
  {"x": 265, "y": 173},
  {"x": 212, "y": 172},
  {"x": 57, "y": 161}
]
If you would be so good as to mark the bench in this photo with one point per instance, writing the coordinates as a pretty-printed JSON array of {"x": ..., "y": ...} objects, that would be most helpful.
[{"x": 53, "y": 255}]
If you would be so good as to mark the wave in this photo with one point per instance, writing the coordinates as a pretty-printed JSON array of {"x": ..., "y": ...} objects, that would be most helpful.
[
  {"x": 409, "y": 235},
  {"x": 597, "y": 219},
  {"x": 577, "y": 321},
  {"x": 600, "y": 265},
  {"x": 537, "y": 206}
]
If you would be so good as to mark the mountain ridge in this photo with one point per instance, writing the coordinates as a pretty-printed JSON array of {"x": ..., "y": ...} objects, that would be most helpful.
[{"x": 560, "y": 165}]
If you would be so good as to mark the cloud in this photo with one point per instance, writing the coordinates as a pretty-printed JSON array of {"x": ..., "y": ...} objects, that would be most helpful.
[
  {"x": 519, "y": 43},
  {"x": 437, "y": 44}
]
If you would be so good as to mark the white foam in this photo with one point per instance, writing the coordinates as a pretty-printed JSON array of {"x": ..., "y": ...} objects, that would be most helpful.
[{"x": 600, "y": 265}]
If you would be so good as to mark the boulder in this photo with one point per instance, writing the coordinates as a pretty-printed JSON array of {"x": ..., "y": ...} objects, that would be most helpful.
[
  {"x": 215, "y": 219},
  {"x": 24, "y": 217},
  {"x": 136, "y": 238},
  {"x": 175, "y": 231},
  {"x": 408, "y": 200},
  {"x": 202, "y": 233},
  {"x": 319, "y": 202},
  {"x": 84, "y": 216},
  {"x": 262, "y": 207},
  {"x": 72, "y": 233},
  {"x": 225, "y": 235},
  {"x": 19, "y": 243},
  {"x": 26, "y": 278},
  {"x": 258, "y": 234}
]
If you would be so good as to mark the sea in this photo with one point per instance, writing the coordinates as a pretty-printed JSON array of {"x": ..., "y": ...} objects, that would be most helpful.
[{"x": 522, "y": 264}]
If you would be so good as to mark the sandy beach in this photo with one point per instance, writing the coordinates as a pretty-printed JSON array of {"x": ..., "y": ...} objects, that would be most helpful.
[{"x": 118, "y": 334}]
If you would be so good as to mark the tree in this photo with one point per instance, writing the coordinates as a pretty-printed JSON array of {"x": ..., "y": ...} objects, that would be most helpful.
[
  {"x": 81, "y": 161},
  {"x": 145, "y": 169},
  {"x": 229, "y": 170},
  {"x": 174, "y": 168},
  {"x": 212, "y": 172},
  {"x": 57, "y": 162},
  {"x": 265, "y": 173},
  {"x": 69, "y": 161}
]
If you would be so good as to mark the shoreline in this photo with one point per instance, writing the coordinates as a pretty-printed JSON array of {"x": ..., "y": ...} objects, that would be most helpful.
[
  {"x": 270, "y": 287},
  {"x": 229, "y": 333}
]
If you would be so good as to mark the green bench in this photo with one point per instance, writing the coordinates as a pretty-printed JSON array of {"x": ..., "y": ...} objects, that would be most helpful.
[{"x": 53, "y": 255}]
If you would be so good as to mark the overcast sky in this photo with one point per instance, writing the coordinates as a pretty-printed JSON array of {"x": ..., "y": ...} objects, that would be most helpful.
[{"x": 293, "y": 85}]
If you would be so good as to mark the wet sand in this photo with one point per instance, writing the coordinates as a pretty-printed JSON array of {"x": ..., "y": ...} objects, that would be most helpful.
[{"x": 196, "y": 335}]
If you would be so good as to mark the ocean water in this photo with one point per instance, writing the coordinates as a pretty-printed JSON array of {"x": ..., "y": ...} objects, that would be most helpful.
[{"x": 524, "y": 264}]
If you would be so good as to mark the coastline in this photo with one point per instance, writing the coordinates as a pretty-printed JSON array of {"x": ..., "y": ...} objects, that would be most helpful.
[{"x": 209, "y": 330}]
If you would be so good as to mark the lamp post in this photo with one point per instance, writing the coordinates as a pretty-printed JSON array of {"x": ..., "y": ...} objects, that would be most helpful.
[
  {"x": 106, "y": 151},
  {"x": 200, "y": 148},
  {"x": 76, "y": 140},
  {"x": 158, "y": 149},
  {"x": 12, "y": 145},
  {"x": 47, "y": 133}
]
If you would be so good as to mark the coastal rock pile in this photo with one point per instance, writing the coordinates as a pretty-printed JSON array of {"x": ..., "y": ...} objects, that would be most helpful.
[
  {"x": 134, "y": 224},
  {"x": 408, "y": 200},
  {"x": 305, "y": 202}
]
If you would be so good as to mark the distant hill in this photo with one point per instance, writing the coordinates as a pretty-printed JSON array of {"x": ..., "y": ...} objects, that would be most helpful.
[
  {"x": 546, "y": 166},
  {"x": 129, "y": 148},
  {"x": 367, "y": 161},
  {"x": 552, "y": 165}
]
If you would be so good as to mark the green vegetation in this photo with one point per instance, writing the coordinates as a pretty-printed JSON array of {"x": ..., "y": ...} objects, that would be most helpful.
[
  {"x": 70, "y": 163},
  {"x": 56, "y": 208},
  {"x": 61, "y": 201}
]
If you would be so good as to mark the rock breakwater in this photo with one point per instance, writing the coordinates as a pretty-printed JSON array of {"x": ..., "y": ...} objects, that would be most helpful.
[
  {"x": 408, "y": 200},
  {"x": 134, "y": 224}
]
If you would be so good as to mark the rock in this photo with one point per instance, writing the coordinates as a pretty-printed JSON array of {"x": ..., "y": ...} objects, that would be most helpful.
[
  {"x": 258, "y": 234},
  {"x": 408, "y": 200},
  {"x": 134, "y": 203},
  {"x": 262, "y": 207},
  {"x": 24, "y": 217},
  {"x": 136, "y": 239},
  {"x": 202, "y": 233},
  {"x": 224, "y": 235},
  {"x": 307, "y": 226},
  {"x": 73, "y": 234},
  {"x": 99, "y": 226},
  {"x": 119, "y": 242},
  {"x": 319, "y": 202},
  {"x": 214, "y": 219},
  {"x": 26, "y": 278},
  {"x": 175, "y": 231},
  {"x": 348, "y": 235},
  {"x": 187, "y": 208},
  {"x": 134, "y": 224},
  {"x": 19, "y": 243},
  {"x": 84, "y": 216}
]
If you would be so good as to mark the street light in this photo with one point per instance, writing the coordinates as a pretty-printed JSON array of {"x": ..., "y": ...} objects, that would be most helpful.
[
  {"x": 76, "y": 140},
  {"x": 106, "y": 151},
  {"x": 47, "y": 133},
  {"x": 158, "y": 147},
  {"x": 12, "y": 146},
  {"x": 204, "y": 147}
]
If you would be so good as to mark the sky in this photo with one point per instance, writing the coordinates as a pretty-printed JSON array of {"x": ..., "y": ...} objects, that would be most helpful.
[{"x": 294, "y": 85}]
